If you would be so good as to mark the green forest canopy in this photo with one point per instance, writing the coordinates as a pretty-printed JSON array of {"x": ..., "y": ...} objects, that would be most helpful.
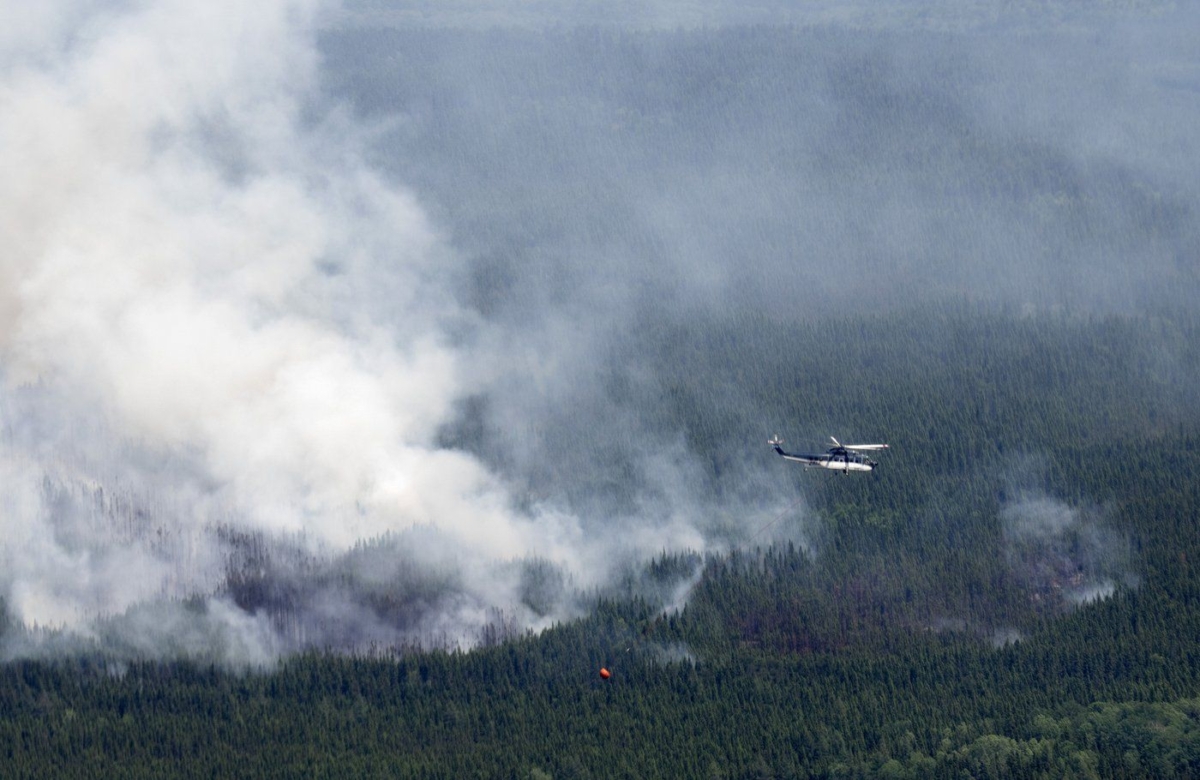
[{"x": 921, "y": 631}]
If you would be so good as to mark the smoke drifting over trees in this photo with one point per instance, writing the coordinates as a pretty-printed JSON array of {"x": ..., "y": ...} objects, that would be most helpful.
[
  {"x": 216, "y": 315},
  {"x": 321, "y": 332}
]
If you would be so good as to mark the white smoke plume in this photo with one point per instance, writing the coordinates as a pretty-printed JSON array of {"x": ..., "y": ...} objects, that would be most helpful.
[
  {"x": 1066, "y": 556},
  {"x": 219, "y": 326}
]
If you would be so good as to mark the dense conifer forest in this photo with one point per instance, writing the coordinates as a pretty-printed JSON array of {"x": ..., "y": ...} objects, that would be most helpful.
[
  {"x": 918, "y": 632},
  {"x": 722, "y": 224}
]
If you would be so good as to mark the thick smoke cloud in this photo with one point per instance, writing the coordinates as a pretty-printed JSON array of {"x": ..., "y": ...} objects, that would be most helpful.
[
  {"x": 233, "y": 357},
  {"x": 283, "y": 371}
]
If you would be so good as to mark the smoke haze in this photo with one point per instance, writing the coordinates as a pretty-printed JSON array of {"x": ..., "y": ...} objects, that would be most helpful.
[
  {"x": 313, "y": 335},
  {"x": 186, "y": 340}
]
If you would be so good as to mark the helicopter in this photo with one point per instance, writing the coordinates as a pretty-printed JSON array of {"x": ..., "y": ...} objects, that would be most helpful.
[{"x": 840, "y": 457}]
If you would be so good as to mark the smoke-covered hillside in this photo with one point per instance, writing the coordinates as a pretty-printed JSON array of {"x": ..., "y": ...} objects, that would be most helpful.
[{"x": 341, "y": 334}]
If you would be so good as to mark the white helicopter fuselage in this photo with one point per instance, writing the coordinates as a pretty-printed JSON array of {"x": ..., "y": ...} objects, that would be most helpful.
[
  {"x": 839, "y": 464},
  {"x": 843, "y": 458},
  {"x": 834, "y": 462}
]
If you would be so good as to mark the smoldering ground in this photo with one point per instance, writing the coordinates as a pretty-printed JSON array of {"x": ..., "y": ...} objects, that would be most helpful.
[
  {"x": 442, "y": 294},
  {"x": 1064, "y": 555}
]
